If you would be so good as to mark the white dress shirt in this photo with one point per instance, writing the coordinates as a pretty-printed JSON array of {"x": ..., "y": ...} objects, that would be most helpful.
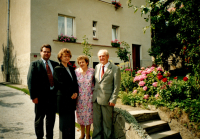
[{"x": 105, "y": 68}]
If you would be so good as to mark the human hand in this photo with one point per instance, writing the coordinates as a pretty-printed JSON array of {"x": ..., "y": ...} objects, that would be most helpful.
[
  {"x": 74, "y": 96},
  {"x": 111, "y": 104},
  {"x": 35, "y": 100}
]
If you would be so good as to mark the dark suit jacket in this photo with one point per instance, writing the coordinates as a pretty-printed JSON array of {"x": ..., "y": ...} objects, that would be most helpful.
[
  {"x": 37, "y": 79},
  {"x": 66, "y": 87}
]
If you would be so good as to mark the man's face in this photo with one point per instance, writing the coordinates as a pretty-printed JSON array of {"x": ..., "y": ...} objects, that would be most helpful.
[
  {"x": 103, "y": 58},
  {"x": 46, "y": 53}
]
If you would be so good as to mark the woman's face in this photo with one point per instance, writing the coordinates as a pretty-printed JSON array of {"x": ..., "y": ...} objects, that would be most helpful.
[
  {"x": 82, "y": 63},
  {"x": 65, "y": 58}
]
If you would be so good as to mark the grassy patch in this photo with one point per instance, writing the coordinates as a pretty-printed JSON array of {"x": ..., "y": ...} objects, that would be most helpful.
[{"x": 21, "y": 89}]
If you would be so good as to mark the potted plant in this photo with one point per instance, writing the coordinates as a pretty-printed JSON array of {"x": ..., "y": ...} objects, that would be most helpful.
[
  {"x": 115, "y": 43},
  {"x": 65, "y": 38},
  {"x": 117, "y": 5},
  {"x": 72, "y": 39}
]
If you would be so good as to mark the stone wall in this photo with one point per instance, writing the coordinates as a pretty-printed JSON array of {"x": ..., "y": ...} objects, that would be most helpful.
[
  {"x": 123, "y": 129},
  {"x": 174, "y": 124}
]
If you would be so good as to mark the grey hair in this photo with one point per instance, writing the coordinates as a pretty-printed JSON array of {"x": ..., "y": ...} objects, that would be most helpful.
[{"x": 103, "y": 50}]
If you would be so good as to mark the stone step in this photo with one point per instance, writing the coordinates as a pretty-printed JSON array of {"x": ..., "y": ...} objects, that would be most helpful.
[
  {"x": 145, "y": 115},
  {"x": 153, "y": 126},
  {"x": 166, "y": 135}
]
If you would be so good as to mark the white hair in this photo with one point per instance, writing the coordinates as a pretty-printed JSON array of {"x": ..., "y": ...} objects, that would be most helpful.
[{"x": 104, "y": 51}]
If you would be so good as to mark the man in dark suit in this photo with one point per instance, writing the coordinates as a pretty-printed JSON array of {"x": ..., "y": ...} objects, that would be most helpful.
[{"x": 42, "y": 92}]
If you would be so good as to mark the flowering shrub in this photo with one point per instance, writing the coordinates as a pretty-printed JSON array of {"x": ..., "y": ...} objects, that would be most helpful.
[
  {"x": 65, "y": 38},
  {"x": 115, "y": 43},
  {"x": 154, "y": 86}
]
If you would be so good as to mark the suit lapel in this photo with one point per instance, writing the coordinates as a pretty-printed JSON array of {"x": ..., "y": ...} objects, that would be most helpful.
[
  {"x": 67, "y": 73},
  {"x": 42, "y": 64},
  {"x": 98, "y": 71}
]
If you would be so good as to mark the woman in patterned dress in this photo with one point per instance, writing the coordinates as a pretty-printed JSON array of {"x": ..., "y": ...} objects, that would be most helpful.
[{"x": 84, "y": 110}]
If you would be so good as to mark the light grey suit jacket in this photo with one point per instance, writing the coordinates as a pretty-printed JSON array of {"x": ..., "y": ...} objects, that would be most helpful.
[{"x": 107, "y": 89}]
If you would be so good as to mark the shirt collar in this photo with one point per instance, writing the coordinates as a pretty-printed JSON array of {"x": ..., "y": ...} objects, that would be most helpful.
[
  {"x": 44, "y": 61},
  {"x": 106, "y": 65}
]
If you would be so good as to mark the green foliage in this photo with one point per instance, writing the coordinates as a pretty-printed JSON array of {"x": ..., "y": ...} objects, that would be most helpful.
[
  {"x": 122, "y": 53},
  {"x": 174, "y": 25},
  {"x": 127, "y": 79},
  {"x": 86, "y": 46}
]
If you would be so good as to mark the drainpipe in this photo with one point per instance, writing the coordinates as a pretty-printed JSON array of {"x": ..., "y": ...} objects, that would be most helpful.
[{"x": 7, "y": 61}]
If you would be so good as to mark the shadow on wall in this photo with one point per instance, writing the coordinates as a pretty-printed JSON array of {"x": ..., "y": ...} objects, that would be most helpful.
[{"x": 13, "y": 71}]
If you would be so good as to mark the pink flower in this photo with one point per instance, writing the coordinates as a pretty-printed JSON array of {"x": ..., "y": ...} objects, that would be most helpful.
[
  {"x": 134, "y": 91},
  {"x": 142, "y": 68},
  {"x": 141, "y": 83},
  {"x": 139, "y": 71},
  {"x": 149, "y": 71},
  {"x": 146, "y": 96},
  {"x": 152, "y": 68},
  {"x": 144, "y": 72},
  {"x": 141, "y": 78},
  {"x": 136, "y": 78},
  {"x": 145, "y": 88},
  {"x": 144, "y": 76},
  {"x": 159, "y": 69},
  {"x": 169, "y": 82},
  {"x": 156, "y": 96},
  {"x": 155, "y": 84}
]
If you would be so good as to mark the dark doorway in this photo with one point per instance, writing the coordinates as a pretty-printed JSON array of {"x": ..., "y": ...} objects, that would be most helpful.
[
  {"x": 94, "y": 64},
  {"x": 136, "y": 55}
]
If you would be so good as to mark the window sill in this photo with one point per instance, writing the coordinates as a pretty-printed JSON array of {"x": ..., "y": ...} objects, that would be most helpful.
[
  {"x": 89, "y": 44},
  {"x": 95, "y": 38}
]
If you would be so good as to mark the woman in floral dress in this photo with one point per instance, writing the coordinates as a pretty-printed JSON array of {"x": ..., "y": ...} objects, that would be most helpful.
[{"x": 84, "y": 110}]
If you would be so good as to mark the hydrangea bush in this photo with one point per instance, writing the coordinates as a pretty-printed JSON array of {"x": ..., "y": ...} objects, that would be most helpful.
[{"x": 154, "y": 86}]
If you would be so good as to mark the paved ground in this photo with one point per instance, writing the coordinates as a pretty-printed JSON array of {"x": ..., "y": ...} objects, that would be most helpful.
[{"x": 17, "y": 115}]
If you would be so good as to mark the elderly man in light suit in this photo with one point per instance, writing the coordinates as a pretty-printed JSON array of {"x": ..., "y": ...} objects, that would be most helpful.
[{"x": 107, "y": 83}]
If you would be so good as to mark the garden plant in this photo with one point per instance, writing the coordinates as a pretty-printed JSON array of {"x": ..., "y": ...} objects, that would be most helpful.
[{"x": 154, "y": 86}]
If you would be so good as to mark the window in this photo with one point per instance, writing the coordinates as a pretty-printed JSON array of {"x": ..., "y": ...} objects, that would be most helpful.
[
  {"x": 115, "y": 34},
  {"x": 65, "y": 25},
  {"x": 94, "y": 29}
]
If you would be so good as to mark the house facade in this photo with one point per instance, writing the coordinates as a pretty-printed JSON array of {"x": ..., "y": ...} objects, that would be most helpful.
[{"x": 33, "y": 23}]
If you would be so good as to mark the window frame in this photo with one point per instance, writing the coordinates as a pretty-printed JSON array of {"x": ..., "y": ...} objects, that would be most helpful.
[
  {"x": 116, "y": 32},
  {"x": 94, "y": 29},
  {"x": 65, "y": 25}
]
